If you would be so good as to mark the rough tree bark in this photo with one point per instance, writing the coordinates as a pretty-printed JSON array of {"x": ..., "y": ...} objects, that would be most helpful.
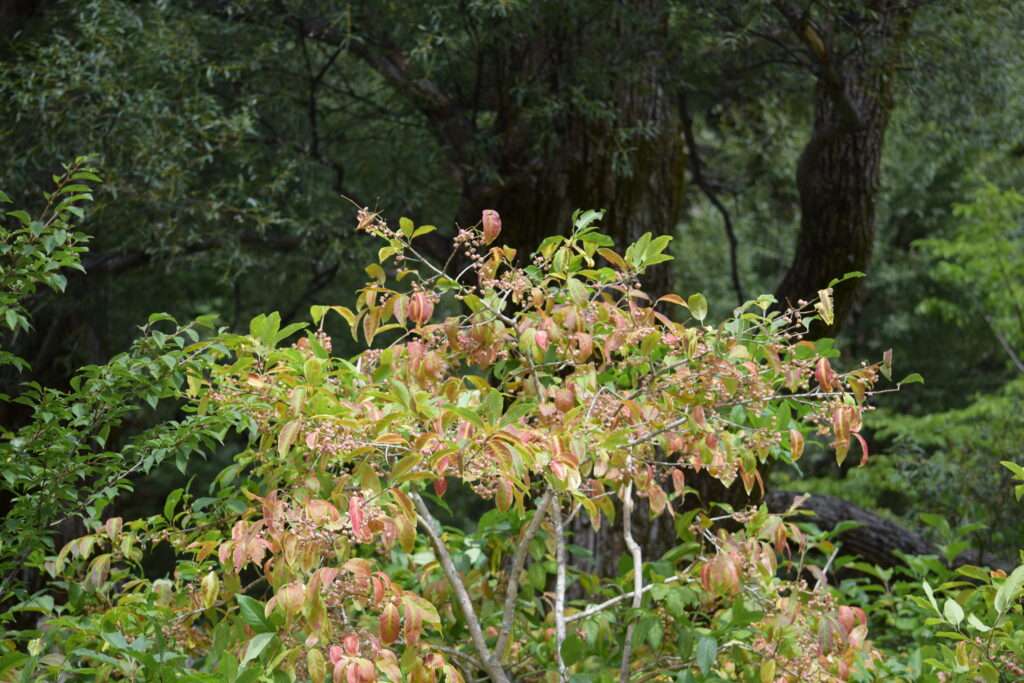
[
  {"x": 839, "y": 170},
  {"x": 629, "y": 158}
]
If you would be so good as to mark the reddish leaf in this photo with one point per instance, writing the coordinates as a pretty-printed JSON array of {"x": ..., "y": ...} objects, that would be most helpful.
[
  {"x": 863, "y": 448},
  {"x": 440, "y": 486},
  {"x": 356, "y": 518},
  {"x": 390, "y": 623}
]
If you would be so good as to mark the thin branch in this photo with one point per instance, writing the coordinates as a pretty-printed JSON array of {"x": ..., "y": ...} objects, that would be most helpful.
[
  {"x": 697, "y": 171},
  {"x": 427, "y": 521},
  {"x": 1004, "y": 342},
  {"x": 823, "y": 577},
  {"x": 611, "y": 602},
  {"x": 669, "y": 426},
  {"x": 518, "y": 561},
  {"x": 560, "y": 562},
  {"x": 821, "y": 53},
  {"x": 638, "y": 577}
]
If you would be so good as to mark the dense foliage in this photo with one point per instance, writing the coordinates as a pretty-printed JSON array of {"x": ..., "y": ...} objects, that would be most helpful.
[{"x": 558, "y": 389}]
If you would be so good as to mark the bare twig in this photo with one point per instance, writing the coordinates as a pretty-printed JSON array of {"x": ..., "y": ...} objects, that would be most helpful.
[
  {"x": 560, "y": 562},
  {"x": 823, "y": 577},
  {"x": 611, "y": 602},
  {"x": 518, "y": 561},
  {"x": 1003, "y": 342},
  {"x": 697, "y": 171},
  {"x": 427, "y": 521},
  {"x": 638, "y": 578}
]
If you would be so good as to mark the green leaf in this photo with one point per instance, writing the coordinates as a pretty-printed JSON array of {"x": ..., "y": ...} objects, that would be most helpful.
[
  {"x": 406, "y": 226},
  {"x": 251, "y": 611},
  {"x": 974, "y": 621},
  {"x": 257, "y": 645},
  {"x": 931, "y": 596},
  {"x": 707, "y": 653},
  {"x": 852, "y": 275},
  {"x": 912, "y": 378},
  {"x": 172, "y": 502},
  {"x": 578, "y": 291},
  {"x": 22, "y": 216},
  {"x": 287, "y": 332},
  {"x": 573, "y": 649},
  {"x": 698, "y": 306},
  {"x": 1007, "y": 593},
  {"x": 492, "y": 405},
  {"x": 953, "y": 612},
  {"x": 584, "y": 220},
  {"x": 1017, "y": 470}
]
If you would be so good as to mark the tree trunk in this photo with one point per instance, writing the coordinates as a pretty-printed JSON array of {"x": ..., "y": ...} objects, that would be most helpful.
[
  {"x": 839, "y": 169},
  {"x": 630, "y": 160},
  {"x": 876, "y": 541}
]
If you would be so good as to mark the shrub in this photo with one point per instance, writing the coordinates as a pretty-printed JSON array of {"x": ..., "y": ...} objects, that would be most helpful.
[{"x": 550, "y": 390}]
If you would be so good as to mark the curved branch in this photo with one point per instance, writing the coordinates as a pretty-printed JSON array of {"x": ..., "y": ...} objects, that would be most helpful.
[
  {"x": 429, "y": 523},
  {"x": 561, "y": 562},
  {"x": 697, "y": 171},
  {"x": 518, "y": 561},
  {"x": 638, "y": 578}
]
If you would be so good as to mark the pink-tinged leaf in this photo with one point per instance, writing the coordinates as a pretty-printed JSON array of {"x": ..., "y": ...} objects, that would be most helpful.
[
  {"x": 672, "y": 299},
  {"x": 413, "y": 624},
  {"x": 748, "y": 481},
  {"x": 378, "y": 589},
  {"x": 584, "y": 346},
  {"x": 558, "y": 469},
  {"x": 359, "y": 567},
  {"x": 824, "y": 374},
  {"x": 357, "y": 519},
  {"x": 698, "y": 417},
  {"x": 322, "y": 512},
  {"x": 796, "y": 444},
  {"x": 326, "y": 576},
  {"x": 503, "y": 494},
  {"x": 863, "y": 448},
  {"x": 388, "y": 663},
  {"x": 657, "y": 499},
  {"x": 541, "y": 339},
  {"x": 491, "y": 225},
  {"x": 440, "y": 486},
  {"x": 390, "y": 623},
  {"x": 678, "y": 480},
  {"x": 335, "y": 653},
  {"x": 367, "y": 672}
]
